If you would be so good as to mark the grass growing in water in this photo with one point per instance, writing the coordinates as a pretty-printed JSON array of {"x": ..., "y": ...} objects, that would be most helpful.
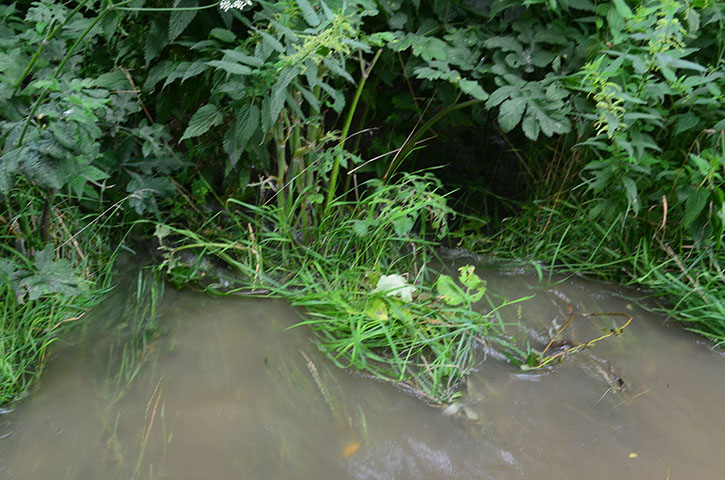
[
  {"x": 687, "y": 279},
  {"x": 363, "y": 277}
]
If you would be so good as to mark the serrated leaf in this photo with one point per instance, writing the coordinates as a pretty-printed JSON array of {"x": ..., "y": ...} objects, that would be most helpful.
[
  {"x": 472, "y": 88},
  {"x": 499, "y": 95},
  {"x": 694, "y": 205},
  {"x": 510, "y": 113},
  {"x": 334, "y": 66},
  {"x": 230, "y": 67},
  {"x": 278, "y": 92},
  {"x": 240, "y": 57},
  {"x": 403, "y": 225},
  {"x": 236, "y": 139},
  {"x": 156, "y": 39},
  {"x": 622, "y": 9},
  {"x": 206, "y": 117},
  {"x": 194, "y": 69},
  {"x": 337, "y": 96},
  {"x": 271, "y": 42},
  {"x": 630, "y": 188},
  {"x": 530, "y": 127},
  {"x": 360, "y": 227},
  {"x": 180, "y": 19},
  {"x": 308, "y": 13},
  {"x": 53, "y": 277},
  {"x": 157, "y": 73}
]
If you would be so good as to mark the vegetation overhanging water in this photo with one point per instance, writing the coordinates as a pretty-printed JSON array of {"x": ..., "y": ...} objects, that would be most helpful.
[{"x": 279, "y": 148}]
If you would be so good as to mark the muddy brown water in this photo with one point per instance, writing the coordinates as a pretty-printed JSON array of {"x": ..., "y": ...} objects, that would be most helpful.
[{"x": 229, "y": 392}]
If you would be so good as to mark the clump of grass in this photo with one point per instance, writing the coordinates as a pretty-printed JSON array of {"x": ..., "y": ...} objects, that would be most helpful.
[
  {"x": 53, "y": 267},
  {"x": 364, "y": 277},
  {"x": 684, "y": 274}
]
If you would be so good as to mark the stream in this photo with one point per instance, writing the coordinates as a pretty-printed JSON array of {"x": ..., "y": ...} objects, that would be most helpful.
[{"x": 227, "y": 391}]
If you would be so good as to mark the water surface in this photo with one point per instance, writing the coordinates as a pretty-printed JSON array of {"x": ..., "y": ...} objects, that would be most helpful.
[{"x": 227, "y": 391}]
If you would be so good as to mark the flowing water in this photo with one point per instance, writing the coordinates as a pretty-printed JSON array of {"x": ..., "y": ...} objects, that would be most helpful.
[{"x": 228, "y": 391}]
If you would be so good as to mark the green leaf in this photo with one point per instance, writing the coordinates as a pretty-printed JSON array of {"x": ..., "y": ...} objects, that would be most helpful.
[
  {"x": 630, "y": 188},
  {"x": 694, "y": 206},
  {"x": 204, "y": 118},
  {"x": 54, "y": 277},
  {"x": 403, "y": 225},
  {"x": 156, "y": 39},
  {"x": 472, "y": 282},
  {"x": 223, "y": 34},
  {"x": 271, "y": 42},
  {"x": 236, "y": 139},
  {"x": 230, "y": 67},
  {"x": 240, "y": 57},
  {"x": 623, "y": 9},
  {"x": 449, "y": 290},
  {"x": 308, "y": 13},
  {"x": 510, "y": 113},
  {"x": 499, "y": 95},
  {"x": 530, "y": 127},
  {"x": 180, "y": 19},
  {"x": 278, "y": 92},
  {"x": 472, "y": 88}
]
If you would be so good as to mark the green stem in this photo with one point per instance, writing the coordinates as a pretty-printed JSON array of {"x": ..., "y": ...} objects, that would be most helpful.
[
  {"x": 410, "y": 144},
  {"x": 345, "y": 129},
  {"x": 281, "y": 166}
]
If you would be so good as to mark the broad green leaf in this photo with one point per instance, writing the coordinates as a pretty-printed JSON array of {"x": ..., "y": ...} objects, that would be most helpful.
[
  {"x": 180, "y": 19},
  {"x": 449, "y": 290},
  {"x": 694, "y": 205},
  {"x": 308, "y": 13},
  {"x": 156, "y": 39},
  {"x": 206, "y": 117},
  {"x": 240, "y": 57},
  {"x": 510, "y": 112},
  {"x": 472, "y": 88},
  {"x": 623, "y": 9},
  {"x": 403, "y": 225},
  {"x": 271, "y": 42},
  {"x": 334, "y": 66},
  {"x": 223, "y": 34},
  {"x": 158, "y": 72},
  {"x": 361, "y": 227},
  {"x": 237, "y": 137},
  {"x": 230, "y": 67},
  {"x": 499, "y": 95},
  {"x": 278, "y": 92},
  {"x": 53, "y": 277},
  {"x": 530, "y": 127}
]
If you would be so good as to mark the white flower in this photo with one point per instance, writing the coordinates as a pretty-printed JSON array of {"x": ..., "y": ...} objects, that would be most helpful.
[{"x": 238, "y": 4}]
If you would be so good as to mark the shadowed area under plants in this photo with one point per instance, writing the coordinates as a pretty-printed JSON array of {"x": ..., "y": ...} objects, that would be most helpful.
[{"x": 363, "y": 277}]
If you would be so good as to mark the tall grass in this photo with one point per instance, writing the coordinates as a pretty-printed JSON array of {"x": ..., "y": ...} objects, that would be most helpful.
[
  {"x": 363, "y": 277},
  {"x": 684, "y": 275},
  {"x": 56, "y": 263}
]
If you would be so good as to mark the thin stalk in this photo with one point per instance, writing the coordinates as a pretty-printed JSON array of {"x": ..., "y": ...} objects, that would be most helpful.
[
  {"x": 411, "y": 142},
  {"x": 345, "y": 129},
  {"x": 281, "y": 167}
]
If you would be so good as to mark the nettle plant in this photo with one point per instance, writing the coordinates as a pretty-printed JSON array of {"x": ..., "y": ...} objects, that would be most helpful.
[
  {"x": 65, "y": 110},
  {"x": 279, "y": 75},
  {"x": 659, "y": 116}
]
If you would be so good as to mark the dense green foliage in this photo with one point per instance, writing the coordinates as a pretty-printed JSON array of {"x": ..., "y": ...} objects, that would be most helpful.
[{"x": 272, "y": 136}]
